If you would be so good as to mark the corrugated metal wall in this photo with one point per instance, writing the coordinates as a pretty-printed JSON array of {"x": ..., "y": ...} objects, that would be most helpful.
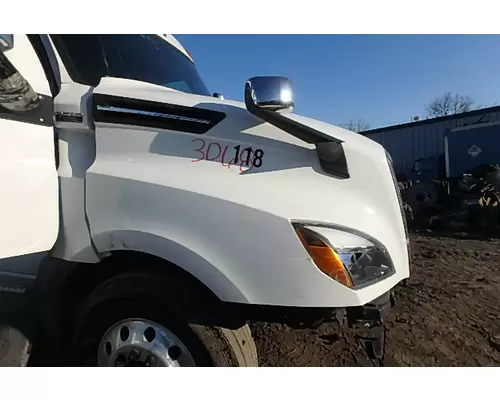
[{"x": 424, "y": 139}]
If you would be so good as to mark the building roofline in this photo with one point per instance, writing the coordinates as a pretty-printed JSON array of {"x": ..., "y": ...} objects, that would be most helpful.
[{"x": 432, "y": 120}]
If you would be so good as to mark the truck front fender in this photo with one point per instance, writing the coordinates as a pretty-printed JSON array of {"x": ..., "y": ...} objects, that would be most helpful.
[{"x": 176, "y": 253}]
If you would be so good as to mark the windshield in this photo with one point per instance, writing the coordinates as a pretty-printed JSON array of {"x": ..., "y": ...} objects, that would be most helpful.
[{"x": 147, "y": 58}]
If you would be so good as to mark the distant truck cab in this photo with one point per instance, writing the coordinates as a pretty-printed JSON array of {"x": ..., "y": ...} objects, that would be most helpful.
[{"x": 151, "y": 220}]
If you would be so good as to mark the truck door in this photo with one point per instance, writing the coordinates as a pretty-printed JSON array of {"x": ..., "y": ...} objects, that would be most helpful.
[{"x": 28, "y": 176}]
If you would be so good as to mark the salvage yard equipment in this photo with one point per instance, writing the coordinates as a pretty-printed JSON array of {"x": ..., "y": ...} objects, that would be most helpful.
[{"x": 466, "y": 197}]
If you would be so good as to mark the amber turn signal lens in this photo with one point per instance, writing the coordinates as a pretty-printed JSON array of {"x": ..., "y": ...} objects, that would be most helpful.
[{"x": 323, "y": 256}]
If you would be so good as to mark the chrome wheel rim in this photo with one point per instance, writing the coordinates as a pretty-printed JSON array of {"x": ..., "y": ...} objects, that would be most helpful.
[{"x": 142, "y": 343}]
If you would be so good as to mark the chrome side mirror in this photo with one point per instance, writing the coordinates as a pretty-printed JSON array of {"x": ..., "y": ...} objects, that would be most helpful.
[
  {"x": 6, "y": 42},
  {"x": 272, "y": 93},
  {"x": 16, "y": 94}
]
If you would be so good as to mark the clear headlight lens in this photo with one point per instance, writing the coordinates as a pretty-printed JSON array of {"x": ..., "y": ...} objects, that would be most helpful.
[{"x": 349, "y": 258}]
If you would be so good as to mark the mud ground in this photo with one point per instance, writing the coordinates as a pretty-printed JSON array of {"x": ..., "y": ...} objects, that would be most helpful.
[{"x": 447, "y": 315}]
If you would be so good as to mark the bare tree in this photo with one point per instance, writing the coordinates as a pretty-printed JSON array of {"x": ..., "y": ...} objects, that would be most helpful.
[
  {"x": 357, "y": 126},
  {"x": 449, "y": 104}
]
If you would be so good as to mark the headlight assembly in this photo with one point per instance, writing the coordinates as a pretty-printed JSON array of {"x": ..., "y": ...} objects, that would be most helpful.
[{"x": 351, "y": 259}]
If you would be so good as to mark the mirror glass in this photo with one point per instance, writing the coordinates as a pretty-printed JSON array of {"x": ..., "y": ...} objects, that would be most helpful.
[
  {"x": 16, "y": 94},
  {"x": 6, "y": 42},
  {"x": 271, "y": 92}
]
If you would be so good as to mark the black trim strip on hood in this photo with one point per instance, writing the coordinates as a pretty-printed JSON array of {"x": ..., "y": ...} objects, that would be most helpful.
[
  {"x": 330, "y": 150},
  {"x": 122, "y": 110}
]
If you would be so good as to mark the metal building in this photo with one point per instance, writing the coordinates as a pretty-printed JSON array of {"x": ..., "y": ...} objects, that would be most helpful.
[{"x": 407, "y": 143}]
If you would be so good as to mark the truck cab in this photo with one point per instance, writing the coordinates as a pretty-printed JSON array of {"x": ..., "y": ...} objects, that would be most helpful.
[{"x": 152, "y": 220}]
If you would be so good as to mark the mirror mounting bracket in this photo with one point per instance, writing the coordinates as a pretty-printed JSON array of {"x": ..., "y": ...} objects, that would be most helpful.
[{"x": 329, "y": 149}]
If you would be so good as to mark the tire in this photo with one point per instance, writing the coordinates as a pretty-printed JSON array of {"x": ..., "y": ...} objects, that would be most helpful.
[
  {"x": 421, "y": 196},
  {"x": 137, "y": 300}
]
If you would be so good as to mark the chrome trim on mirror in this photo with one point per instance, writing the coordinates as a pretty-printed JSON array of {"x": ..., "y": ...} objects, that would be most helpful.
[
  {"x": 16, "y": 94},
  {"x": 151, "y": 114},
  {"x": 273, "y": 93}
]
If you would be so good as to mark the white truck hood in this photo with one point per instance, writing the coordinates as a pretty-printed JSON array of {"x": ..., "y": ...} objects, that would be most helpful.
[{"x": 162, "y": 168}]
